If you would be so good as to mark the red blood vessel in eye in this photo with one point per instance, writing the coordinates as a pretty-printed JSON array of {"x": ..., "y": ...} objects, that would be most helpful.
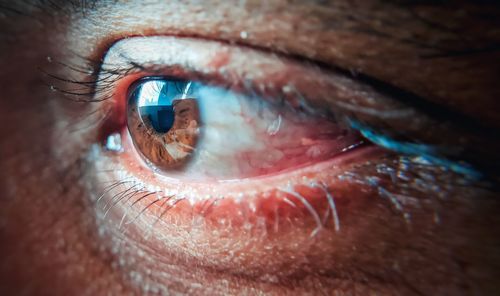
[
  {"x": 217, "y": 134},
  {"x": 290, "y": 144}
]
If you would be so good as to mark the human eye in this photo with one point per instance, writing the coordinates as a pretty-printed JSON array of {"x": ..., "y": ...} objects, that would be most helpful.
[
  {"x": 271, "y": 155},
  {"x": 235, "y": 140}
]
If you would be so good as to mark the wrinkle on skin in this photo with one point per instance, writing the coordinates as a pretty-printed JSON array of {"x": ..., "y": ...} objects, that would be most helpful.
[{"x": 53, "y": 242}]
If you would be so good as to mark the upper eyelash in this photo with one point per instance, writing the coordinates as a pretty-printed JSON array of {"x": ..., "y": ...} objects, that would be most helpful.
[
  {"x": 95, "y": 89},
  {"x": 101, "y": 89}
]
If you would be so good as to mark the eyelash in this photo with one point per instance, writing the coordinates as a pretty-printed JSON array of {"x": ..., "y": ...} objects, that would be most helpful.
[
  {"x": 101, "y": 89},
  {"x": 98, "y": 90},
  {"x": 92, "y": 91}
]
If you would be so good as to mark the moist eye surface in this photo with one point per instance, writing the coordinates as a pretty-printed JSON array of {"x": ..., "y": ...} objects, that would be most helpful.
[{"x": 189, "y": 129}]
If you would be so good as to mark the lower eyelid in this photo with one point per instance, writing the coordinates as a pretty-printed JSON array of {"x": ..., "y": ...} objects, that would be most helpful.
[
  {"x": 272, "y": 220},
  {"x": 303, "y": 193}
]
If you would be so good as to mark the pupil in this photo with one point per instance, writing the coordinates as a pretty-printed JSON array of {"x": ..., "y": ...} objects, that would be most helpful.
[
  {"x": 155, "y": 102},
  {"x": 161, "y": 117}
]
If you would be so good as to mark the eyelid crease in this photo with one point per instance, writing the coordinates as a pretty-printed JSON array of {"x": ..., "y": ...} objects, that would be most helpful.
[{"x": 405, "y": 97}]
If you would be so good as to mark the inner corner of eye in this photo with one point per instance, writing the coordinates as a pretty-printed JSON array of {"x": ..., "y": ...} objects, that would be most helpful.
[{"x": 193, "y": 130}]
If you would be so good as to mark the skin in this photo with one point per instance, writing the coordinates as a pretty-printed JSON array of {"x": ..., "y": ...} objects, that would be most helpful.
[{"x": 55, "y": 241}]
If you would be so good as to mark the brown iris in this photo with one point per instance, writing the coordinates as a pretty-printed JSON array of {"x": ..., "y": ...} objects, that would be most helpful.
[{"x": 163, "y": 119}]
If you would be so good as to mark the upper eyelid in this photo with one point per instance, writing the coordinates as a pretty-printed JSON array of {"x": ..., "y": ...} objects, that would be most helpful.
[
  {"x": 401, "y": 96},
  {"x": 341, "y": 81},
  {"x": 108, "y": 74},
  {"x": 374, "y": 87}
]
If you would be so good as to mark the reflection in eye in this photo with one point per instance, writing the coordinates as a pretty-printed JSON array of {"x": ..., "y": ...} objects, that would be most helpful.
[
  {"x": 164, "y": 122},
  {"x": 241, "y": 136}
]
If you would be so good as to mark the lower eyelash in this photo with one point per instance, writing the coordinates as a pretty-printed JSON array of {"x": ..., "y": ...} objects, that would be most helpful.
[
  {"x": 126, "y": 195},
  {"x": 132, "y": 195},
  {"x": 136, "y": 201}
]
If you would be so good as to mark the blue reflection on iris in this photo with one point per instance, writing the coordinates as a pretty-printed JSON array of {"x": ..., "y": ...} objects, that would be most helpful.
[{"x": 155, "y": 101}]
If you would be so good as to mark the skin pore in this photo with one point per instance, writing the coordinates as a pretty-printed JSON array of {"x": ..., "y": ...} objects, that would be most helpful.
[{"x": 55, "y": 240}]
